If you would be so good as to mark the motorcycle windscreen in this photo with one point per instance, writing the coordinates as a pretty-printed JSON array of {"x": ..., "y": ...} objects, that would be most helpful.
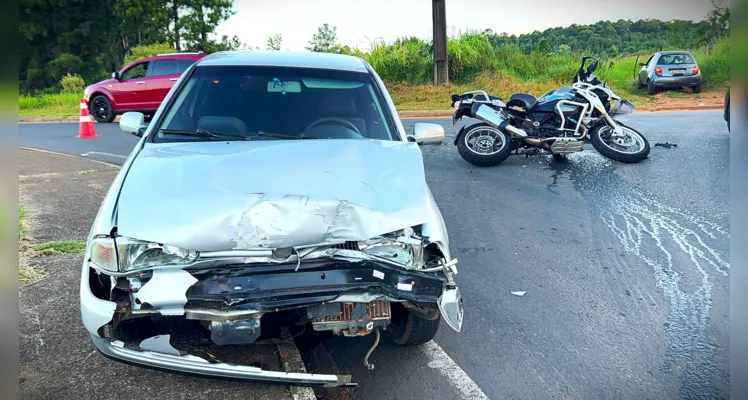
[{"x": 622, "y": 109}]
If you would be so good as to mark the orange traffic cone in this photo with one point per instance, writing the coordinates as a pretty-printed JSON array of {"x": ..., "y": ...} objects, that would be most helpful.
[{"x": 86, "y": 129}]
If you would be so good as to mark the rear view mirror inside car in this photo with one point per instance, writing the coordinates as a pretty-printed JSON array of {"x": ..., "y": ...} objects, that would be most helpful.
[{"x": 276, "y": 86}]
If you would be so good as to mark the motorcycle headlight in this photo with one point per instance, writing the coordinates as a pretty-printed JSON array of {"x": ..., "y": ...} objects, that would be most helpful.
[
  {"x": 124, "y": 254},
  {"x": 404, "y": 250}
]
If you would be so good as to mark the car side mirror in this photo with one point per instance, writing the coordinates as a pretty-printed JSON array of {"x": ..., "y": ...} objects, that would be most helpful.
[
  {"x": 424, "y": 133},
  {"x": 133, "y": 123},
  {"x": 116, "y": 75},
  {"x": 643, "y": 64}
]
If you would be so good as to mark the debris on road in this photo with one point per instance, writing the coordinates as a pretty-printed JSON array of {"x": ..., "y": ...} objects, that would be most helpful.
[
  {"x": 666, "y": 145},
  {"x": 519, "y": 293}
]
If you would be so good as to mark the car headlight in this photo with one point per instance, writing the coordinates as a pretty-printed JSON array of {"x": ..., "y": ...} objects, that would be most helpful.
[
  {"x": 125, "y": 254},
  {"x": 401, "y": 249}
]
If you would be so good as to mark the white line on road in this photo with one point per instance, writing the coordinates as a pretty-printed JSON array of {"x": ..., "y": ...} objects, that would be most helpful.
[
  {"x": 292, "y": 362},
  {"x": 445, "y": 365},
  {"x": 107, "y": 154}
]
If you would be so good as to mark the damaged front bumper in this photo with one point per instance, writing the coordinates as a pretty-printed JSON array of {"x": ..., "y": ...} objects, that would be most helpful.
[
  {"x": 232, "y": 301},
  {"x": 157, "y": 353}
]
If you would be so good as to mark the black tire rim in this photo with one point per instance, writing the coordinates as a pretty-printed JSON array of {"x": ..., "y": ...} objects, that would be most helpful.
[{"x": 100, "y": 108}]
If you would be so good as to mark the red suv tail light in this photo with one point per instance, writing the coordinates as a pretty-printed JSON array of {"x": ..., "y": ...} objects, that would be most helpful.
[
  {"x": 658, "y": 71},
  {"x": 694, "y": 70}
]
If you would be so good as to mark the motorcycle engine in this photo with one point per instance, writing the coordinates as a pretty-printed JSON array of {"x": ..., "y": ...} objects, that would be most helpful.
[{"x": 545, "y": 130}]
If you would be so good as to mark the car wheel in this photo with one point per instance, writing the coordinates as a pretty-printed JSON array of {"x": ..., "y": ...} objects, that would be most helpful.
[
  {"x": 696, "y": 89},
  {"x": 408, "y": 329},
  {"x": 639, "y": 84},
  {"x": 101, "y": 109},
  {"x": 651, "y": 89}
]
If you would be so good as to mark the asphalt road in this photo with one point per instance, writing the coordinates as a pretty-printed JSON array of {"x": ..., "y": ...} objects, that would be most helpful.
[{"x": 625, "y": 268}]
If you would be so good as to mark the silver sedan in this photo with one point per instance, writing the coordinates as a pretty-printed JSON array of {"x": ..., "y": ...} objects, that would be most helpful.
[{"x": 273, "y": 193}]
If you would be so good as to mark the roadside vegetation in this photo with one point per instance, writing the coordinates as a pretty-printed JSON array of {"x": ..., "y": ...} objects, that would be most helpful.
[
  {"x": 500, "y": 63},
  {"x": 65, "y": 247}
]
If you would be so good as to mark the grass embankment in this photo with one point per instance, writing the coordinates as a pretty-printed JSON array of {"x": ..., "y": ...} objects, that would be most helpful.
[
  {"x": 407, "y": 68},
  {"x": 50, "y": 105},
  {"x": 535, "y": 74}
]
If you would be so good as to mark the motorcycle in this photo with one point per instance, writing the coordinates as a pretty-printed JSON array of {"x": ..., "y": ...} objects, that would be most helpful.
[{"x": 557, "y": 123}]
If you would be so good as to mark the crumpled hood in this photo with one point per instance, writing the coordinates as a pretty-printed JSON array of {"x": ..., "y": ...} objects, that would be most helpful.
[{"x": 273, "y": 193}]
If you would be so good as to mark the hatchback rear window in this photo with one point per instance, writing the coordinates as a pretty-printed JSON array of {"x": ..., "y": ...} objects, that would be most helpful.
[
  {"x": 276, "y": 103},
  {"x": 671, "y": 59}
]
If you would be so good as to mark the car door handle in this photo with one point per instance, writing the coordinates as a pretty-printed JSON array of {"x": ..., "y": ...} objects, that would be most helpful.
[
  {"x": 174, "y": 79},
  {"x": 140, "y": 83}
]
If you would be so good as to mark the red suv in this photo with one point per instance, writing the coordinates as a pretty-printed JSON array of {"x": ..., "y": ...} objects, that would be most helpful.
[{"x": 140, "y": 86}]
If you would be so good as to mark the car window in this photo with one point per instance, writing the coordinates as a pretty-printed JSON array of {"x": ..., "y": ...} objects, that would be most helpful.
[
  {"x": 650, "y": 60},
  {"x": 672, "y": 59},
  {"x": 136, "y": 71},
  {"x": 164, "y": 67},
  {"x": 273, "y": 103},
  {"x": 182, "y": 65}
]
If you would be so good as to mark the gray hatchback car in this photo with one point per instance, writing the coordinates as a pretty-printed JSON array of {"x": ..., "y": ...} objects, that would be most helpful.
[{"x": 671, "y": 70}]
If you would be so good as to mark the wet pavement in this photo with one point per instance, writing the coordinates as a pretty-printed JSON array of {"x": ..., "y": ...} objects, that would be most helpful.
[{"x": 625, "y": 267}]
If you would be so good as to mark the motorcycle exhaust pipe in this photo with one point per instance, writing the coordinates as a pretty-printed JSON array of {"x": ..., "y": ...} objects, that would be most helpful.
[{"x": 494, "y": 118}]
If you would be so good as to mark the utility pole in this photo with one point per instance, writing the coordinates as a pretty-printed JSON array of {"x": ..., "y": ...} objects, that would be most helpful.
[{"x": 441, "y": 66}]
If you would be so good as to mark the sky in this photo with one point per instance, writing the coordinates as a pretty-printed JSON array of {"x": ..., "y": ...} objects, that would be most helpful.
[{"x": 359, "y": 22}]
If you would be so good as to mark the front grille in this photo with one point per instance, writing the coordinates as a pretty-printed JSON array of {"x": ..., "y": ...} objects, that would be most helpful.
[
  {"x": 379, "y": 309},
  {"x": 347, "y": 246}
]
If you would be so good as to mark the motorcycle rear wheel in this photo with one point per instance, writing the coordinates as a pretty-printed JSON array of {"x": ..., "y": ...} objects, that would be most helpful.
[
  {"x": 635, "y": 150},
  {"x": 483, "y": 145}
]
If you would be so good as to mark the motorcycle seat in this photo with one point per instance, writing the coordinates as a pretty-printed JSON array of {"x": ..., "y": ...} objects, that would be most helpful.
[{"x": 523, "y": 100}]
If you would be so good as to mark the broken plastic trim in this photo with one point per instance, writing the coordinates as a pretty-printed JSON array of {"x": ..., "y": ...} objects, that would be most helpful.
[{"x": 158, "y": 354}]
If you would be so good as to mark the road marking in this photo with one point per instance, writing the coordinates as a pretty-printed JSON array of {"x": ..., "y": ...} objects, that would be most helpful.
[
  {"x": 445, "y": 365},
  {"x": 68, "y": 155},
  {"x": 107, "y": 154},
  {"x": 292, "y": 362}
]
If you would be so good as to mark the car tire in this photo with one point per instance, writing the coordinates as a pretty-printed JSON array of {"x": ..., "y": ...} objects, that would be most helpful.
[
  {"x": 408, "y": 329},
  {"x": 696, "y": 89},
  {"x": 651, "y": 89},
  {"x": 101, "y": 109},
  {"x": 639, "y": 84}
]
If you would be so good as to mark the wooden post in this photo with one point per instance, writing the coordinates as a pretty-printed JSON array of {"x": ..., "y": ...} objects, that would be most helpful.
[{"x": 441, "y": 65}]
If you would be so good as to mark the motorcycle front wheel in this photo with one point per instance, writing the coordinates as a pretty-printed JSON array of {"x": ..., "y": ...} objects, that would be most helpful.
[
  {"x": 632, "y": 148},
  {"x": 483, "y": 145}
]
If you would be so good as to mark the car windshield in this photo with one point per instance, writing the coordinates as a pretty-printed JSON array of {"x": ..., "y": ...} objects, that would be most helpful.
[
  {"x": 273, "y": 103},
  {"x": 671, "y": 59}
]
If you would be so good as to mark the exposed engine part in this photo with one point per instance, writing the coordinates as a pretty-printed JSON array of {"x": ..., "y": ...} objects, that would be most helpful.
[
  {"x": 566, "y": 145},
  {"x": 235, "y": 332},
  {"x": 371, "y": 350},
  {"x": 350, "y": 319}
]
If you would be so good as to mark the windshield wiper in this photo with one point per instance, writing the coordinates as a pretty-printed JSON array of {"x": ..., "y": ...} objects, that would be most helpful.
[
  {"x": 203, "y": 133},
  {"x": 284, "y": 135}
]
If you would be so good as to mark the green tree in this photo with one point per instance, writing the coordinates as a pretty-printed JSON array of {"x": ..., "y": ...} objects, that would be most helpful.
[
  {"x": 201, "y": 20},
  {"x": 138, "y": 52},
  {"x": 324, "y": 40},
  {"x": 543, "y": 47},
  {"x": 274, "y": 42}
]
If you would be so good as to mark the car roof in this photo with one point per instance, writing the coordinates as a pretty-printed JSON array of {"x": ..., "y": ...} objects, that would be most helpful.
[
  {"x": 175, "y": 56},
  {"x": 298, "y": 59},
  {"x": 664, "y": 53}
]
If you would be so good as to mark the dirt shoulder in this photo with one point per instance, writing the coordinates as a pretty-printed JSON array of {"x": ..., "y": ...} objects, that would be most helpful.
[{"x": 61, "y": 195}]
